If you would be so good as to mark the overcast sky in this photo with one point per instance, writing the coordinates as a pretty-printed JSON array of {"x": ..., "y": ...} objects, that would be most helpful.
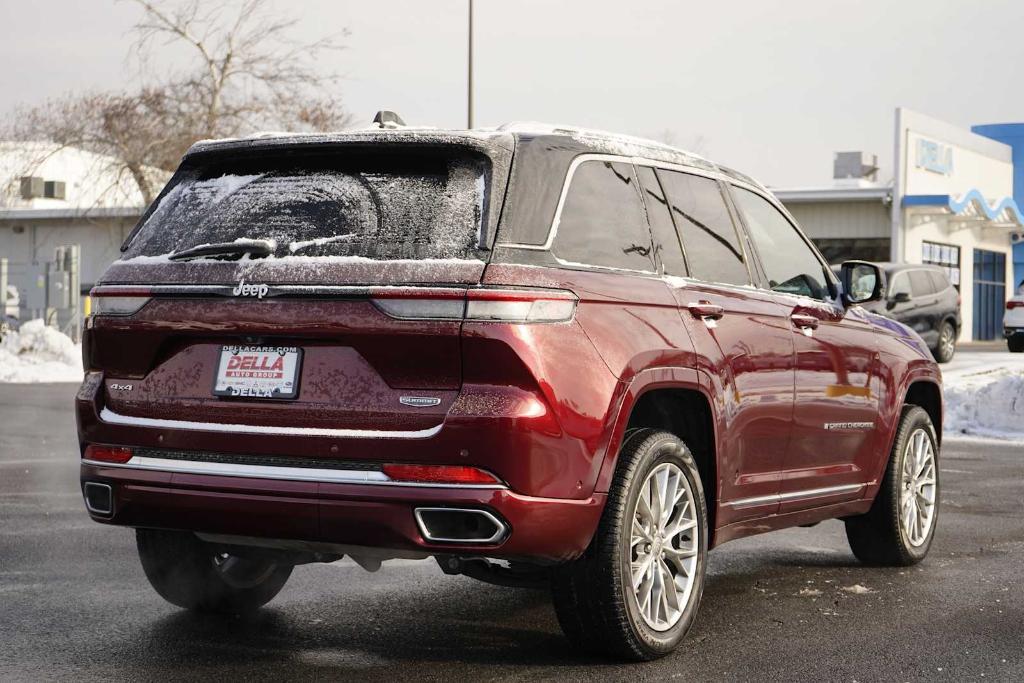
[{"x": 770, "y": 88}]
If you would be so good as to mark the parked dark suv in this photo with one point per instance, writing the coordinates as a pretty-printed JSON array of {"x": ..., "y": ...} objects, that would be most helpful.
[
  {"x": 542, "y": 356},
  {"x": 922, "y": 298}
]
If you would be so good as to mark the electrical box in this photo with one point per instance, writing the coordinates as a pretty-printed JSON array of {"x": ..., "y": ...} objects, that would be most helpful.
[
  {"x": 59, "y": 282},
  {"x": 34, "y": 293}
]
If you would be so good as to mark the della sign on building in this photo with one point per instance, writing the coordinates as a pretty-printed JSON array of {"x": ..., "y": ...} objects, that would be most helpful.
[{"x": 934, "y": 156}]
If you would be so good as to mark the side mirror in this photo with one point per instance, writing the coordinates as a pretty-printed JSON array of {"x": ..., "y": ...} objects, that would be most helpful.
[{"x": 862, "y": 282}]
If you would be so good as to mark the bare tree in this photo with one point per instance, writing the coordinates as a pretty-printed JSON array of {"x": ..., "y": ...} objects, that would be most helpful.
[
  {"x": 134, "y": 135},
  {"x": 247, "y": 70},
  {"x": 246, "y": 73}
]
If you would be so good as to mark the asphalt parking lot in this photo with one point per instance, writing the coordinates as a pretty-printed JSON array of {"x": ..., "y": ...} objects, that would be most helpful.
[{"x": 792, "y": 605}]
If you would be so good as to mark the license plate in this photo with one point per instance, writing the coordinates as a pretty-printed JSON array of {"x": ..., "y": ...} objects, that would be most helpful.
[{"x": 258, "y": 371}]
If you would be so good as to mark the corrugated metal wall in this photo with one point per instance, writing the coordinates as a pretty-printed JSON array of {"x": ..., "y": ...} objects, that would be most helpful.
[{"x": 845, "y": 220}]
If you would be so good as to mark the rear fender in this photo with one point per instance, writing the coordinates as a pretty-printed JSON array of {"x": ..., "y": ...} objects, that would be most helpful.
[{"x": 643, "y": 382}]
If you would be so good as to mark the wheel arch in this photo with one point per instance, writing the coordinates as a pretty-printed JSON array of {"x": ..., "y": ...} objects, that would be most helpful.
[
  {"x": 927, "y": 394},
  {"x": 674, "y": 400}
]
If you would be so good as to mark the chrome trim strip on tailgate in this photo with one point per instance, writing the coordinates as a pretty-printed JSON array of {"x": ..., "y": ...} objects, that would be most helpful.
[
  {"x": 275, "y": 290},
  {"x": 110, "y": 417},
  {"x": 323, "y": 476}
]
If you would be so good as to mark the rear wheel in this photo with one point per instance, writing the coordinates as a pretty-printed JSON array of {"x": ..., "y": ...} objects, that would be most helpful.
[
  {"x": 1016, "y": 343},
  {"x": 947, "y": 343},
  {"x": 899, "y": 527},
  {"x": 189, "y": 573},
  {"x": 635, "y": 591}
]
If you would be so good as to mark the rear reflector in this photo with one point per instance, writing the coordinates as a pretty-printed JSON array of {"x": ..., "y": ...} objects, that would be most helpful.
[
  {"x": 483, "y": 305},
  {"x": 439, "y": 474},
  {"x": 421, "y": 309},
  {"x": 115, "y": 454},
  {"x": 118, "y": 300}
]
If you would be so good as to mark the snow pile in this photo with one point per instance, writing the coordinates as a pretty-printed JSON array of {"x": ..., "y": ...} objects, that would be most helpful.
[
  {"x": 985, "y": 395},
  {"x": 38, "y": 353}
]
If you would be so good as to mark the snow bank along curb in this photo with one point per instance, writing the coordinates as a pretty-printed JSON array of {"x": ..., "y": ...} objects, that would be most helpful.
[
  {"x": 38, "y": 353},
  {"x": 985, "y": 396}
]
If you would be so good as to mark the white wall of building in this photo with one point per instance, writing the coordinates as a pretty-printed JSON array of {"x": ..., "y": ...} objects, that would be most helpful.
[
  {"x": 24, "y": 243},
  {"x": 937, "y": 158},
  {"x": 91, "y": 180},
  {"x": 100, "y": 206}
]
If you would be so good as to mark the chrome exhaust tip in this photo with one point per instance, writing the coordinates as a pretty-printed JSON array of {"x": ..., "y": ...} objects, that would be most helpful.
[
  {"x": 99, "y": 498},
  {"x": 460, "y": 525}
]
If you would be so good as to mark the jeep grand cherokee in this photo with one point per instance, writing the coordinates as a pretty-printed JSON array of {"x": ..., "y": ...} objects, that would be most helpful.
[{"x": 542, "y": 356}]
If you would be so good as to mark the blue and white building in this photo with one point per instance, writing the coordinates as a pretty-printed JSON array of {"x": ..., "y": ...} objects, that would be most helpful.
[{"x": 951, "y": 203}]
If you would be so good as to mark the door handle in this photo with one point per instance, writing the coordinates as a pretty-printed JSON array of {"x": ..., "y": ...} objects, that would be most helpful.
[
  {"x": 705, "y": 310},
  {"x": 807, "y": 322}
]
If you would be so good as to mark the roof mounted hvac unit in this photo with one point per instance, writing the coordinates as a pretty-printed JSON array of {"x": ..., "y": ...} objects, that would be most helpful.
[
  {"x": 32, "y": 187},
  {"x": 855, "y": 165},
  {"x": 54, "y": 189}
]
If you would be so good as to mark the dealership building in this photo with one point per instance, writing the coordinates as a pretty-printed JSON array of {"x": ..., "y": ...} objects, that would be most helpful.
[{"x": 951, "y": 203}]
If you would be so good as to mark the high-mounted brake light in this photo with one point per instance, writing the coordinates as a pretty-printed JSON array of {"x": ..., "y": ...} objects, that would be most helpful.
[
  {"x": 439, "y": 474},
  {"x": 118, "y": 300},
  {"x": 114, "y": 454},
  {"x": 483, "y": 305}
]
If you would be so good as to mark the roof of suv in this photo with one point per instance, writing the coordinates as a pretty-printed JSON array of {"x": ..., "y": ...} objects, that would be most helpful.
[
  {"x": 891, "y": 268},
  {"x": 588, "y": 141}
]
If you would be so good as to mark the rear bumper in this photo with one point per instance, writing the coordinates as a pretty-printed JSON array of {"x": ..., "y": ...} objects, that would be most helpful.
[
  {"x": 1013, "y": 331},
  {"x": 539, "y": 529}
]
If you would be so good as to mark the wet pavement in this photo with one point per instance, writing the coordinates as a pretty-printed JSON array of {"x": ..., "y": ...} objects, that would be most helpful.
[{"x": 791, "y": 605}]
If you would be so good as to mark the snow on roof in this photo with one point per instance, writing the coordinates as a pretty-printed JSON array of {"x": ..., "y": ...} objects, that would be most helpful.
[{"x": 601, "y": 141}]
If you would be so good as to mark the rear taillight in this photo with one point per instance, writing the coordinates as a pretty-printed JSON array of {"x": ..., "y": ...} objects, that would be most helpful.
[
  {"x": 114, "y": 454},
  {"x": 118, "y": 300},
  {"x": 483, "y": 305},
  {"x": 439, "y": 474},
  {"x": 1011, "y": 304}
]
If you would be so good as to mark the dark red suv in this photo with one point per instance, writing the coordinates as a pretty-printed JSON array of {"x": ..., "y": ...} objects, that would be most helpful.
[{"x": 542, "y": 356}]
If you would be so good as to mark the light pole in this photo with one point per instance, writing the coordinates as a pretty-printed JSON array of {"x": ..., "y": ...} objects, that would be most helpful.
[{"x": 469, "y": 88}]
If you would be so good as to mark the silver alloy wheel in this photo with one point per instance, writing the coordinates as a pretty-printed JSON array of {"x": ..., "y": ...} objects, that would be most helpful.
[
  {"x": 663, "y": 546},
  {"x": 918, "y": 488},
  {"x": 947, "y": 342}
]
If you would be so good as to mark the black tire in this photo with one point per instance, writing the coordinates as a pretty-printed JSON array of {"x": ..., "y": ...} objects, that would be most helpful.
[
  {"x": 946, "y": 347},
  {"x": 593, "y": 595},
  {"x": 184, "y": 571},
  {"x": 877, "y": 537},
  {"x": 1016, "y": 343}
]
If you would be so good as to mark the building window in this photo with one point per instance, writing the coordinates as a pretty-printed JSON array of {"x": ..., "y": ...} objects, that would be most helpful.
[
  {"x": 945, "y": 255},
  {"x": 865, "y": 249}
]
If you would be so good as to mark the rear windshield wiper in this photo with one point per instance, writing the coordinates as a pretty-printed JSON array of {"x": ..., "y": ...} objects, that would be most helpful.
[{"x": 237, "y": 248}]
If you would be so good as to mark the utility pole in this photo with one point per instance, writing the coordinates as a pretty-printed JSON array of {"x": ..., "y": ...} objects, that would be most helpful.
[{"x": 469, "y": 88}]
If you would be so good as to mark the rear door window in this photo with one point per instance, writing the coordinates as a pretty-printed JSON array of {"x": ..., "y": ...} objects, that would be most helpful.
[
  {"x": 789, "y": 262},
  {"x": 602, "y": 222},
  {"x": 921, "y": 284},
  {"x": 666, "y": 241},
  {"x": 383, "y": 206},
  {"x": 939, "y": 281},
  {"x": 712, "y": 245}
]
